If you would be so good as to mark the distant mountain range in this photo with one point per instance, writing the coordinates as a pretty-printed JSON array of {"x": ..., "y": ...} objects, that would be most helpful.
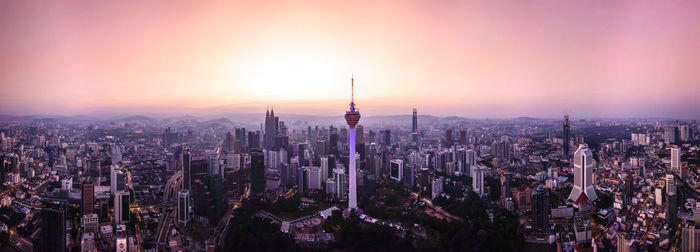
[
  {"x": 255, "y": 120},
  {"x": 243, "y": 119}
]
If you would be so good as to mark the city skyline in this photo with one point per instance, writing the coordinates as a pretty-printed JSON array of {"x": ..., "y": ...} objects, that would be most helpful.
[
  {"x": 230, "y": 126},
  {"x": 622, "y": 59}
]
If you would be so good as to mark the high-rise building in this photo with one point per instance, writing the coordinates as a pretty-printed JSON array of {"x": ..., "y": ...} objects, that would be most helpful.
[
  {"x": 471, "y": 161},
  {"x": 629, "y": 189},
  {"x": 502, "y": 149},
  {"x": 89, "y": 222},
  {"x": 396, "y": 169},
  {"x": 676, "y": 159},
  {"x": 448, "y": 138},
  {"x": 116, "y": 153},
  {"x": 691, "y": 237},
  {"x": 121, "y": 207},
  {"x": 116, "y": 175},
  {"x": 686, "y": 133},
  {"x": 186, "y": 170},
  {"x": 53, "y": 227},
  {"x": 360, "y": 134},
  {"x": 414, "y": 126},
  {"x": 436, "y": 188},
  {"x": 425, "y": 182},
  {"x": 566, "y": 138},
  {"x": 670, "y": 184},
  {"x": 386, "y": 137},
  {"x": 257, "y": 170},
  {"x": 671, "y": 207},
  {"x": 233, "y": 161},
  {"x": 583, "y": 175},
  {"x": 340, "y": 182},
  {"x": 271, "y": 129},
  {"x": 254, "y": 139},
  {"x": 183, "y": 206},
  {"x": 333, "y": 143},
  {"x": 671, "y": 134},
  {"x": 314, "y": 178},
  {"x": 540, "y": 207},
  {"x": 506, "y": 179},
  {"x": 87, "y": 196},
  {"x": 478, "y": 180},
  {"x": 352, "y": 117},
  {"x": 626, "y": 242},
  {"x": 409, "y": 176}
]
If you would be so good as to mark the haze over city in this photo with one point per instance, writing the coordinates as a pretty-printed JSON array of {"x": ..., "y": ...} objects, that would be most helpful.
[
  {"x": 471, "y": 59},
  {"x": 158, "y": 126}
]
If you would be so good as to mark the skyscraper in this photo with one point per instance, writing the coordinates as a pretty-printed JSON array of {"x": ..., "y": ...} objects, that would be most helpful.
[
  {"x": 676, "y": 159},
  {"x": 333, "y": 143},
  {"x": 396, "y": 169},
  {"x": 121, "y": 207},
  {"x": 690, "y": 240},
  {"x": 186, "y": 170},
  {"x": 87, "y": 195},
  {"x": 448, "y": 137},
  {"x": 478, "y": 179},
  {"x": 471, "y": 161},
  {"x": 257, "y": 167},
  {"x": 183, "y": 206},
  {"x": 670, "y": 184},
  {"x": 686, "y": 133},
  {"x": 352, "y": 117},
  {"x": 360, "y": 134},
  {"x": 114, "y": 179},
  {"x": 671, "y": 134},
  {"x": 583, "y": 175},
  {"x": 53, "y": 227},
  {"x": 414, "y": 128},
  {"x": 566, "y": 138},
  {"x": 339, "y": 177},
  {"x": 271, "y": 129},
  {"x": 425, "y": 185},
  {"x": 540, "y": 207},
  {"x": 506, "y": 179}
]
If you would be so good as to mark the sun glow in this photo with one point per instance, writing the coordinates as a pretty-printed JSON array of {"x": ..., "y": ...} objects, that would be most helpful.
[{"x": 297, "y": 75}]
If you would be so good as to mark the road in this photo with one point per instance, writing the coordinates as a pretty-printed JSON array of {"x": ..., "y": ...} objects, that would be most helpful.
[
  {"x": 437, "y": 208},
  {"x": 135, "y": 206},
  {"x": 222, "y": 227},
  {"x": 167, "y": 217}
]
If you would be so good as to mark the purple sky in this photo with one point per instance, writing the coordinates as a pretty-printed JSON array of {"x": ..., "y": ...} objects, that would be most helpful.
[{"x": 473, "y": 59}]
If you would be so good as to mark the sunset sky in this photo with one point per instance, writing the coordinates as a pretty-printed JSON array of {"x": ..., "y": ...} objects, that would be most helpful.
[{"x": 474, "y": 59}]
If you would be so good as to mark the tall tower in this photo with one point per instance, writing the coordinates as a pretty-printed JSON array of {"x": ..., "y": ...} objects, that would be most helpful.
[
  {"x": 352, "y": 117},
  {"x": 566, "y": 138}
]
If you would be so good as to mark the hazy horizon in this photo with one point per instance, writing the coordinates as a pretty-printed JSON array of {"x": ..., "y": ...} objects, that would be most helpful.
[
  {"x": 621, "y": 59},
  {"x": 296, "y": 114}
]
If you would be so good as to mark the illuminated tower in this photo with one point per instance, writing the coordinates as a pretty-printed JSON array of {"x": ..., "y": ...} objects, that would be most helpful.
[{"x": 352, "y": 116}]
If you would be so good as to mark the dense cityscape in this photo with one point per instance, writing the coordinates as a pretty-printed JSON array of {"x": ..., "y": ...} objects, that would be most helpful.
[
  {"x": 247, "y": 125},
  {"x": 402, "y": 183}
]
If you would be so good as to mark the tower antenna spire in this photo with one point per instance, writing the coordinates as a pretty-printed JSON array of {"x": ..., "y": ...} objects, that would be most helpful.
[{"x": 352, "y": 88}]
